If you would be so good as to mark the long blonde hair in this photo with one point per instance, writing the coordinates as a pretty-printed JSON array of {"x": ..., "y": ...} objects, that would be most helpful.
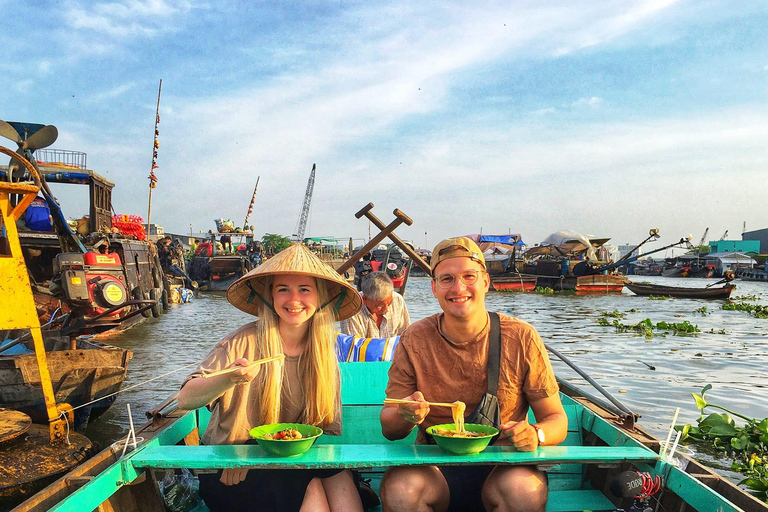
[{"x": 318, "y": 367}]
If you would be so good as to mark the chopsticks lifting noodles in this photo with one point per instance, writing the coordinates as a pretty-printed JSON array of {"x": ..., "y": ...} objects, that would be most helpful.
[
  {"x": 279, "y": 357},
  {"x": 457, "y": 409},
  {"x": 399, "y": 401}
]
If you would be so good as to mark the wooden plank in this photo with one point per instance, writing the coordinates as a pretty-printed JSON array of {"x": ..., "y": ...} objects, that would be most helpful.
[{"x": 375, "y": 455}]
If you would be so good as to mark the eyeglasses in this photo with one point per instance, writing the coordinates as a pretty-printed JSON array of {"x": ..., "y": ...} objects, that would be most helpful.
[{"x": 468, "y": 277}]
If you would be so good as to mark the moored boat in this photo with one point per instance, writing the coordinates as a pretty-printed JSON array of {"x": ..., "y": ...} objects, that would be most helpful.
[
  {"x": 216, "y": 265},
  {"x": 97, "y": 277},
  {"x": 657, "y": 290},
  {"x": 514, "y": 283},
  {"x": 30, "y": 455},
  {"x": 600, "y": 283}
]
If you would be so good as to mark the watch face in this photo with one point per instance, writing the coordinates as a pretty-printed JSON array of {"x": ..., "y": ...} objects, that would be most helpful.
[{"x": 540, "y": 435}]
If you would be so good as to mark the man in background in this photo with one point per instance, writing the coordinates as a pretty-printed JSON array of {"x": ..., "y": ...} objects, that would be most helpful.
[{"x": 383, "y": 314}]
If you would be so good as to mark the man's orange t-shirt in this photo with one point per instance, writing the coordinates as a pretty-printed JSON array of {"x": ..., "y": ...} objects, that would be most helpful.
[{"x": 427, "y": 360}]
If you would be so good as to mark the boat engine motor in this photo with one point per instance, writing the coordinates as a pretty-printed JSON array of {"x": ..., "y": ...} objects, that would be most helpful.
[
  {"x": 92, "y": 281},
  {"x": 390, "y": 261}
]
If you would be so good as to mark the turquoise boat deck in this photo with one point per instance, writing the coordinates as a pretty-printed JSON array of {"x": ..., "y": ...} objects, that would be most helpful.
[{"x": 592, "y": 445}]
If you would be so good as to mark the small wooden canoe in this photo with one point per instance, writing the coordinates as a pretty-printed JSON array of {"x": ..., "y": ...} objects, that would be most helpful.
[
  {"x": 600, "y": 283},
  {"x": 645, "y": 289}
]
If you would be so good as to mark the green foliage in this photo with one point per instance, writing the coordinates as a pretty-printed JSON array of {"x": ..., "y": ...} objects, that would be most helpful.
[
  {"x": 273, "y": 244},
  {"x": 655, "y": 297},
  {"x": 702, "y": 311},
  {"x": 755, "y": 310},
  {"x": 745, "y": 297},
  {"x": 748, "y": 444},
  {"x": 646, "y": 327},
  {"x": 543, "y": 289},
  {"x": 613, "y": 314}
]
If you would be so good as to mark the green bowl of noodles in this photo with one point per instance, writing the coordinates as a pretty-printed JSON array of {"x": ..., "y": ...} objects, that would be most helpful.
[
  {"x": 477, "y": 440},
  {"x": 285, "y": 439}
]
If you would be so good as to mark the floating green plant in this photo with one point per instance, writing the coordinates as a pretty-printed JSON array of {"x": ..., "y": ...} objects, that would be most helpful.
[
  {"x": 755, "y": 310},
  {"x": 748, "y": 444},
  {"x": 646, "y": 327}
]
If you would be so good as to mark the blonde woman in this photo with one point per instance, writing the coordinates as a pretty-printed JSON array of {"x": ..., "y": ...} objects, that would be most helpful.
[{"x": 296, "y": 298}]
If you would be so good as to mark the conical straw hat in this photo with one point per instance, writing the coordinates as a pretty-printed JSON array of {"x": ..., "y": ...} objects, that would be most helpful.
[{"x": 250, "y": 291}]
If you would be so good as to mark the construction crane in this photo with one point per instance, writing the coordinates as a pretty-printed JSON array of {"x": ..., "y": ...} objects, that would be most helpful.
[
  {"x": 725, "y": 235},
  {"x": 703, "y": 237},
  {"x": 301, "y": 226}
]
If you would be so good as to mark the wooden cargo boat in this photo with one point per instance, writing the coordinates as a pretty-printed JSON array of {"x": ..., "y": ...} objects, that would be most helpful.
[
  {"x": 645, "y": 289},
  {"x": 602, "y": 443},
  {"x": 214, "y": 270},
  {"x": 96, "y": 278},
  {"x": 82, "y": 371},
  {"x": 600, "y": 283},
  {"x": 30, "y": 455}
]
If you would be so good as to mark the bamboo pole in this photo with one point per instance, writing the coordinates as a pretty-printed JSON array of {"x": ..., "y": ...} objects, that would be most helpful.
[{"x": 153, "y": 183}]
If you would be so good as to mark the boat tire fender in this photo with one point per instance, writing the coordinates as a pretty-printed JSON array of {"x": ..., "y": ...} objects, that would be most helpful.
[
  {"x": 157, "y": 280},
  {"x": 165, "y": 301},
  {"x": 156, "y": 295},
  {"x": 137, "y": 294}
]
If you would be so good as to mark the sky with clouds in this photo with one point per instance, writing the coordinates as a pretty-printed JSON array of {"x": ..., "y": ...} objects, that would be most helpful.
[{"x": 606, "y": 118}]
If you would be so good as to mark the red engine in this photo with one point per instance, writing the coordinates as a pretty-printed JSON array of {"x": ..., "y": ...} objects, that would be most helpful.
[{"x": 93, "y": 281}]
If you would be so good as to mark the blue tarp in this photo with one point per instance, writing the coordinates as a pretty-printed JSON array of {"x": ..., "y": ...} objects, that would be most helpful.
[{"x": 501, "y": 239}]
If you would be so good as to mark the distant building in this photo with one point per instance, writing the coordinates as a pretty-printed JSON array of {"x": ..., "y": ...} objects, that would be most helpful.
[
  {"x": 761, "y": 235},
  {"x": 626, "y": 249},
  {"x": 734, "y": 246},
  {"x": 155, "y": 232}
]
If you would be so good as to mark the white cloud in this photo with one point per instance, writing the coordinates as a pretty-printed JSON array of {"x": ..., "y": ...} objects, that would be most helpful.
[
  {"x": 587, "y": 102},
  {"x": 113, "y": 93},
  {"x": 129, "y": 18}
]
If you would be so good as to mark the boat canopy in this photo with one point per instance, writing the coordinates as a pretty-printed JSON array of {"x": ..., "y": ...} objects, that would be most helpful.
[
  {"x": 511, "y": 239},
  {"x": 732, "y": 257},
  {"x": 498, "y": 244},
  {"x": 563, "y": 242}
]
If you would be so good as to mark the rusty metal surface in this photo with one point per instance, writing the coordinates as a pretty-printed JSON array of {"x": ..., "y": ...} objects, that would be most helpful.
[
  {"x": 13, "y": 424},
  {"x": 32, "y": 461}
]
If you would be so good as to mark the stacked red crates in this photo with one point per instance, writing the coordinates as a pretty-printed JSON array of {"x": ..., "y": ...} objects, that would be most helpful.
[{"x": 130, "y": 225}]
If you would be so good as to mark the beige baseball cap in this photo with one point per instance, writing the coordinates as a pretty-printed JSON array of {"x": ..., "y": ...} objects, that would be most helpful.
[{"x": 456, "y": 248}]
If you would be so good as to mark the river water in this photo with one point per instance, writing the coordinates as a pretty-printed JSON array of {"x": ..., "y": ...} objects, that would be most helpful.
[{"x": 735, "y": 363}]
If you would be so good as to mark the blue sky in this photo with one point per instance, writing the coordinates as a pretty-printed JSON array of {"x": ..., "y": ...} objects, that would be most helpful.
[{"x": 607, "y": 118}]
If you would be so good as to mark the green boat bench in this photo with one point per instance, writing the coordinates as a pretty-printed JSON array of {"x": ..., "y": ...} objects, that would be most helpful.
[{"x": 362, "y": 446}]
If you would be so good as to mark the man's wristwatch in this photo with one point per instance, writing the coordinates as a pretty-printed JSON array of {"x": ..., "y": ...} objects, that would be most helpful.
[{"x": 539, "y": 433}]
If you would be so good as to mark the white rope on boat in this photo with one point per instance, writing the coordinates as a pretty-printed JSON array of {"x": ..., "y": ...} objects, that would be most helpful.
[{"x": 135, "y": 385}]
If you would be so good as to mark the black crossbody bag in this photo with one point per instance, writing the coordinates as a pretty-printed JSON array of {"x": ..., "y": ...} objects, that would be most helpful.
[{"x": 487, "y": 411}]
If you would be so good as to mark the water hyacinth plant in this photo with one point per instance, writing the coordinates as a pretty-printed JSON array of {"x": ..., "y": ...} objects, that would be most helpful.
[{"x": 747, "y": 444}]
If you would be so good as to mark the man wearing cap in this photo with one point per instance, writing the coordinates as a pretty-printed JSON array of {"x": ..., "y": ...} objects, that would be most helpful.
[
  {"x": 383, "y": 314},
  {"x": 444, "y": 358}
]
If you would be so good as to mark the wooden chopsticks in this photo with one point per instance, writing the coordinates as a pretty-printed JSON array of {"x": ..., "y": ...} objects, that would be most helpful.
[
  {"x": 399, "y": 401},
  {"x": 279, "y": 357}
]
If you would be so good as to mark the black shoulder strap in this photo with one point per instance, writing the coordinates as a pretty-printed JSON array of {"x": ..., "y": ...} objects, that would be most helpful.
[{"x": 494, "y": 353}]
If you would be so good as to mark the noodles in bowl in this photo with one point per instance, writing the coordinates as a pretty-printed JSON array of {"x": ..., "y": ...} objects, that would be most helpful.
[{"x": 474, "y": 440}]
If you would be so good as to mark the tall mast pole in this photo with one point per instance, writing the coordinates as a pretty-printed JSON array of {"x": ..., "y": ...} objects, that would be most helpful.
[
  {"x": 250, "y": 206},
  {"x": 155, "y": 146}
]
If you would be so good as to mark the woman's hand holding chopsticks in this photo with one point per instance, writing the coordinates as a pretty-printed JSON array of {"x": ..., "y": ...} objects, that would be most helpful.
[{"x": 242, "y": 371}]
